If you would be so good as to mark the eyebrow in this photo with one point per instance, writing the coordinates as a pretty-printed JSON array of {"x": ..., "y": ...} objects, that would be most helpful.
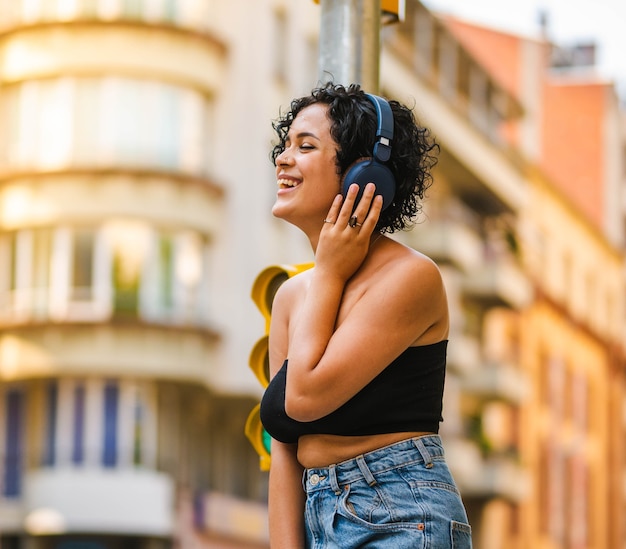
[{"x": 305, "y": 134}]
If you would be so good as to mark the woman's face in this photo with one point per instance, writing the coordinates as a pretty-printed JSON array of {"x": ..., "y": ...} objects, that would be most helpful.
[{"x": 306, "y": 170}]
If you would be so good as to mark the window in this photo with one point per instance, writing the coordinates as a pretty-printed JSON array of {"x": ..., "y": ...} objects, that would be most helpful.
[
  {"x": 109, "y": 449},
  {"x": 83, "y": 274},
  {"x": 7, "y": 271},
  {"x": 174, "y": 285},
  {"x": 42, "y": 257},
  {"x": 82, "y": 265},
  {"x": 448, "y": 66},
  {"x": 165, "y": 273},
  {"x": 14, "y": 429},
  {"x": 424, "y": 35},
  {"x": 87, "y": 122},
  {"x": 52, "y": 394},
  {"x": 50, "y": 273},
  {"x": 78, "y": 440}
]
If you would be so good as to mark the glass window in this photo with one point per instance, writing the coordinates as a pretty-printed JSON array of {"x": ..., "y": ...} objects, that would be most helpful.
[
  {"x": 90, "y": 122},
  {"x": 424, "y": 41},
  {"x": 78, "y": 441},
  {"x": 82, "y": 265},
  {"x": 14, "y": 432},
  {"x": 132, "y": 8},
  {"x": 137, "y": 433},
  {"x": 129, "y": 247},
  {"x": 6, "y": 270},
  {"x": 42, "y": 255},
  {"x": 165, "y": 274},
  {"x": 109, "y": 450},
  {"x": 27, "y": 110},
  {"x": 86, "y": 103},
  {"x": 52, "y": 395}
]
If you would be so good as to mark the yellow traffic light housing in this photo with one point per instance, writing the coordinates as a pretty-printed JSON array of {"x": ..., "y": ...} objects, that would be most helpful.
[
  {"x": 259, "y": 438},
  {"x": 263, "y": 291},
  {"x": 267, "y": 283},
  {"x": 260, "y": 361},
  {"x": 392, "y": 11}
]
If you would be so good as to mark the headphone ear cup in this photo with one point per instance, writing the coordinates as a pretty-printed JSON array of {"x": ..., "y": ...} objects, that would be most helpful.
[{"x": 370, "y": 171}]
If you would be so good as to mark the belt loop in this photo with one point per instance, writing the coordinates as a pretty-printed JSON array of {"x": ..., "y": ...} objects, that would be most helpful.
[
  {"x": 421, "y": 448},
  {"x": 332, "y": 477},
  {"x": 369, "y": 477}
]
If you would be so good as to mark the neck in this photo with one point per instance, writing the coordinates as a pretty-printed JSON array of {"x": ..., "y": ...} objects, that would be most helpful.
[{"x": 314, "y": 239}]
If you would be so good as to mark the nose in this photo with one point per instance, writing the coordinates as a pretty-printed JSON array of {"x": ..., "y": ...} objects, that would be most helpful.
[{"x": 283, "y": 159}]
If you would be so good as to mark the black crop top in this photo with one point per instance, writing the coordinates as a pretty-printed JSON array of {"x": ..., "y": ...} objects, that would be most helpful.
[{"x": 405, "y": 396}]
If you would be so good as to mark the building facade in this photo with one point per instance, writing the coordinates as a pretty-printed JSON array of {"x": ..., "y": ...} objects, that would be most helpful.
[
  {"x": 135, "y": 198},
  {"x": 571, "y": 337}
]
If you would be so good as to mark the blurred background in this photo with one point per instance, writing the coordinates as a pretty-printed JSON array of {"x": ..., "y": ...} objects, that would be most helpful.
[{"x": 135, "y": 198}]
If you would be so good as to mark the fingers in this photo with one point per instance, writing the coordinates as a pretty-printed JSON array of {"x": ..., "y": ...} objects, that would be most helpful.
[
  {"x": 333, "y": 213},
  {"x": 367, "y": 211}
]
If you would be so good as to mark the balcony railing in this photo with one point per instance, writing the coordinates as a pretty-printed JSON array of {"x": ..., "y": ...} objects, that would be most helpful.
[
  {"x": 498, "y": 381},
  {"x": 449, "y": 241},
  {"x": 499, "y": 282},
  {"x": 492, "y": 477},
  {"x": 463, "y": 354},
  {"x": 58, "y": 501}
]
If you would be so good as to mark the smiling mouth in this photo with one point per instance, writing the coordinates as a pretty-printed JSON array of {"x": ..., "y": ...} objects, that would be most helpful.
[{"x": 287, "y": 183}]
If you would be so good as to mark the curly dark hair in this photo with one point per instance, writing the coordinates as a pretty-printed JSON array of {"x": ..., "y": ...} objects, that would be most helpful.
[{"x": 353, "y": 127}]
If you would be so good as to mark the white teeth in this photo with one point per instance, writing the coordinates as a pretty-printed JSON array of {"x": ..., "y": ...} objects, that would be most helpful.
[{"x": 286, "y": 183}]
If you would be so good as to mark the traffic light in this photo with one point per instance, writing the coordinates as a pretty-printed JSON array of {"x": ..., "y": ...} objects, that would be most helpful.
[
  {"x": 392, "y": 11},
  {"x": 263, "y": 291}
]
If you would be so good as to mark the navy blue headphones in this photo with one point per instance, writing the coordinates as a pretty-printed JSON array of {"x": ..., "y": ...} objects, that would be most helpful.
[{"x": 374, "y": 170}]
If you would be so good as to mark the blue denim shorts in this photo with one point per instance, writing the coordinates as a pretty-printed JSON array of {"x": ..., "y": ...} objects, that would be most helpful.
[{"x": 399, "y": 496}]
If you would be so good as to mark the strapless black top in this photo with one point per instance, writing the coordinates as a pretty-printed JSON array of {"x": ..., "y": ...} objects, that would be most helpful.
[{"x": 406, "y": 396}]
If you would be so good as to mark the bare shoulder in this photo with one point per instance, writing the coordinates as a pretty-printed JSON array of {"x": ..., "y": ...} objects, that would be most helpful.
[
  {"x": 292, "y": 289},
  {"x": 406, "y": 264},
  {"x": 411, "y": 285}
]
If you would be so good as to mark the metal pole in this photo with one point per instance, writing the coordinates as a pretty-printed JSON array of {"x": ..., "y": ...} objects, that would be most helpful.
[{"x": 349, "y": 49}]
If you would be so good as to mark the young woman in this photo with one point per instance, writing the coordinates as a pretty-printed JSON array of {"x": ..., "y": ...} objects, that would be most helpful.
[{"x": 357, "y": 343}]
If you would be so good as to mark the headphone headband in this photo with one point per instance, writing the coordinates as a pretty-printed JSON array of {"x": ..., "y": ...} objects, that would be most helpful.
[
  {"x": 384, "y": 131},
  {"x": 373, "y": 170}
]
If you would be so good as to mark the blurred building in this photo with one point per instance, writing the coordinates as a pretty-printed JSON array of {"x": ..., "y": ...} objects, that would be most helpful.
[
  {"x": 135, "y": 191},
  {"x": 570, "y": 340},
  {"x": 117, "y": 326}
]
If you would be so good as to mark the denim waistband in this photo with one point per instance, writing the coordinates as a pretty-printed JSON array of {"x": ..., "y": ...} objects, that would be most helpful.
[{"x": 423, "y": 449}]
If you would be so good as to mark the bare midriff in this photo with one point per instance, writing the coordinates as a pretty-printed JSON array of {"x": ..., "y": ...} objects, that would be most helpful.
[{"x": 324, "y": 450}]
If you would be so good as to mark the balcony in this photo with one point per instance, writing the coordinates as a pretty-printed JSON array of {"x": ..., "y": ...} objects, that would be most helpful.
[
  {"x": 498, "y": 381},
  {"x": 461, "y": 103},
  {"x": 485, "y": 478},
  {"x": 132, "y": 502},
  {"x": 499, "y": 282},
  {"x": 463, "y": 354},
  {"x": 227, "y": 517},
  {"x": 449, "y": 241},
  {"x": 107, "y": 349}
]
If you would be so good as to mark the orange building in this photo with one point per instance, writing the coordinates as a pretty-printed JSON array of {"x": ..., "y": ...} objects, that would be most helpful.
[{"x": 571, "y": 428}]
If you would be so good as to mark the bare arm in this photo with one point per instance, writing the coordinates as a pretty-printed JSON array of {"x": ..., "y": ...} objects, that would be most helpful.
[
  {"x": 334, "y": 352},
  {"x": 286, "y": 496}
]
